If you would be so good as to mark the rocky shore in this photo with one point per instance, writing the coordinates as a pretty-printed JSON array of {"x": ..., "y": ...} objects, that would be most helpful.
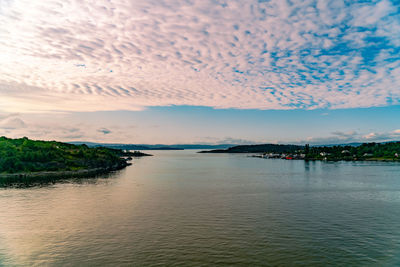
[{"x": 35, "y": 178}]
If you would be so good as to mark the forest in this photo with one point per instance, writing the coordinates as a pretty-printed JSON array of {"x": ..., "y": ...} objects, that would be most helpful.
[
  {"x": 26, "y": 156},
  {"x": 365, "y": 151}
]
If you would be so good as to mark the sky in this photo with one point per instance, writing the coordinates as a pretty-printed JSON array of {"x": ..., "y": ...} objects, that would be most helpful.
[{"x": 200, "y": 71}]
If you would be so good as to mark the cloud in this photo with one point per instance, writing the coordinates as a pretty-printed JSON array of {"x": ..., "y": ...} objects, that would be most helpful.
[
  {"x": 339, "y": 137},
  {"x": 336, "y": 137},
  {"x": 11, "y": 122},
  {"x": 369, "y": 14},
  {"x": 128, "y": 55},
  {"x": 4, "y": 116},
  {"x": 104, "y": 131},
  {"x": 236, "y": 141},
  {"x": 53, "y": 127},
  {"x": 226, "y": 140}
]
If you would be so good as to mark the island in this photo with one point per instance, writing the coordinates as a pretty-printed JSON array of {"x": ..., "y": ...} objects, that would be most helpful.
[
  {"x": 128, "y": 146},
  {"x": 263, "y": 148},
  {"x": 25, "y": 161},
  {"x": 388, "y": 151}
]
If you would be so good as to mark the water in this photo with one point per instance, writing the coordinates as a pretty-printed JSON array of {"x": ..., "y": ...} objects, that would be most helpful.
[{"x": 180, "y": 208}]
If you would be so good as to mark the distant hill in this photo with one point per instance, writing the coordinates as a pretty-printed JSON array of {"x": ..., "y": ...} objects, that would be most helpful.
[
  {"x": 154, "y": 147},
  {"x": 202, "y": 146},
  {"x": 346, "y": 144},
  {"x": 387, "y": 151},
  {"x": 270, "y": 148},
  {"x": 351, "y": 144},
  {"x": 127, "y": 146}
]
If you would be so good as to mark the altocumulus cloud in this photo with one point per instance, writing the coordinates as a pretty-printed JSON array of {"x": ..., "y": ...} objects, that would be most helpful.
[{"x": 71, "y": 55}]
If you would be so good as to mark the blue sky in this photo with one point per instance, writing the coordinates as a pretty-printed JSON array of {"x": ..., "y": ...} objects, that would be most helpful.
[
  {"x": 187, "y": 124},
  {"x": 194, "y": 124},
  {"x": 169, "y": 71}
]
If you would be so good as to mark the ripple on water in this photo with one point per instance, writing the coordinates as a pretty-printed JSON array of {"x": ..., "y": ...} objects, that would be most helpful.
[{"x": 185, "y": 209}]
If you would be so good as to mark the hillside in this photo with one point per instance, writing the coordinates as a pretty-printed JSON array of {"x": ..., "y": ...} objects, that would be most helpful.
[
  {"x": 365, "y": 151},
  {"x": 27, "y": 156},
  {"x": 271, "y": 148}
]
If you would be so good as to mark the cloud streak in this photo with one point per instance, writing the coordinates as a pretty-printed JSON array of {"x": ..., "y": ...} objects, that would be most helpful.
[
  {"x": 11, "y": 123},
  {"x": 353, "y": 137},
  {"x": 104, "y": 131},
  {"x": 112, "y": 55}
]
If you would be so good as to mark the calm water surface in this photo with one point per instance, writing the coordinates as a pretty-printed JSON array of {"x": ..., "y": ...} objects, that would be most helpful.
[{"x": 180, "y": 208}]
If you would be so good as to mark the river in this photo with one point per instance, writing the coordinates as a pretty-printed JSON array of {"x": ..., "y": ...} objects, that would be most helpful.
[{"x": 181, "y": 208}]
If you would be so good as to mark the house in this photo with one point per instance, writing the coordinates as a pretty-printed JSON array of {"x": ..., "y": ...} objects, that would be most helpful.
[{"x": 273, "y": 155}]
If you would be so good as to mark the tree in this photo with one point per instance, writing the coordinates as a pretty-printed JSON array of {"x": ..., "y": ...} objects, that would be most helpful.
[{"x": 307, "y": 150}]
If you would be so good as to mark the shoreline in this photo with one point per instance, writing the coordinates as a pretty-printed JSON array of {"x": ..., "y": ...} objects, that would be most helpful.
[
  {"x": 330, "y": 160},
  {"x": 43, "y": 177}
]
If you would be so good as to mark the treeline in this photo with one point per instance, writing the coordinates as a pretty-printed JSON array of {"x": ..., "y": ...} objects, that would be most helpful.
[
  {"x": 25, "y": 155},
  {"x": 264, "y": 148},
  {"x": 366, "y": 151}
]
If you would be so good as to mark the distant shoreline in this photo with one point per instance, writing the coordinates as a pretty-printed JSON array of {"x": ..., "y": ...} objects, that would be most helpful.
[
  {"x": 329, "y": 160},
  {"x": 385, "y": 152}
]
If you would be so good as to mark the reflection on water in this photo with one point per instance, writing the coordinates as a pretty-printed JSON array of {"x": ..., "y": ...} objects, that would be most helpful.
[{"x": 186, "y": 209}]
